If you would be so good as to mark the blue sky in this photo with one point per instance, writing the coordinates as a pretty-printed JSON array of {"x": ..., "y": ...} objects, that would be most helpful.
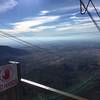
[{"x": 46, "y": 18}]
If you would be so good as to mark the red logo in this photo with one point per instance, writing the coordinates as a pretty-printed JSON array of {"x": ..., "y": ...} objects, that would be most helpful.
[{"x": 6, "y": 74}]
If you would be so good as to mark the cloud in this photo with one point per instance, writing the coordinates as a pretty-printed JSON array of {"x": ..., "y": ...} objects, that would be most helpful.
[
  {"x": 32, "y": 25},
  {"x": 60, "y": 11},
  {"x": 78, "y": 24},
  {"x": 8, "y": 30},
  {"x": 77, "y": 19},
  {"x": 42, "y": 28},
  {"x": 80, "y": 27},
  {"x": 7, "y": 5},
  {"x": 44, "y": 12},
  {"x": 26, "y": 26},
  {"x": 91, "y": 9},
  {"x": 67, "y": 8},
  {"x": 80, "y": 19}
]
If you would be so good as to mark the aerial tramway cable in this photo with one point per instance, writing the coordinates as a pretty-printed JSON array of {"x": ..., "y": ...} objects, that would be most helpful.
[{"x": 28, "y": 44}]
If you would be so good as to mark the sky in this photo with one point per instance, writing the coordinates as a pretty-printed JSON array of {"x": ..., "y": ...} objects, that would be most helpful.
[{"x": 47, "y": 18}]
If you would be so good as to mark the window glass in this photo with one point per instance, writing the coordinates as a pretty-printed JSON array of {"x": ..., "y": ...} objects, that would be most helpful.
[{"x": 56, "y": 45}]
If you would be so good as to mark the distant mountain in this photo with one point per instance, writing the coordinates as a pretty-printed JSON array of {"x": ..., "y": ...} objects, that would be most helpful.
[{"x": 8, "y": 53}]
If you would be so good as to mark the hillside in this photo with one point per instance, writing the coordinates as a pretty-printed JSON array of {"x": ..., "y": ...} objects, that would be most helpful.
[
  {"x": 8, "y": 53},
  {"x": 75, "y": 69}
]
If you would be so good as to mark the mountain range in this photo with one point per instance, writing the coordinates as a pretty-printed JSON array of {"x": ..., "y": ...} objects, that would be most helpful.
[{"x": 9, "y": 53}]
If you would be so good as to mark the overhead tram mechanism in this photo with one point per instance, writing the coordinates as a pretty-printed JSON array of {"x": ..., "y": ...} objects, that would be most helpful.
[{"x": 84, "y": 9}]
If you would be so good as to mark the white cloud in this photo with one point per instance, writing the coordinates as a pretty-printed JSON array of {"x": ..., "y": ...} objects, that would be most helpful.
[
  {"x": 7, "y": 5},
  {"x": 80, "y": 24},
  {"x": 41, "y": 28},
  {"x": 84, "y": 19},
  {"x": 74, "y": 17},
  {"x": 80, "y": 27},
  {"x": 8, "y": 30},
  {"x": 91, "y": 9},
  {"x": 27, "y": 25},
  {"x": 63, "y": 28},
  {"x": 80, "y": 19},
  {"x": 44, "y": 12},
  {"x": 74, "y": 14},
  {"x": 66, "y": 8},
  {"x": 69, "y": 8}
]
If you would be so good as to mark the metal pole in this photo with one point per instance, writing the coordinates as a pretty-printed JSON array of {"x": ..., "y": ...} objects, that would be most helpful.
[
  {"x": 17, "y": 90},
  {"x": 53, "y": 90}
]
